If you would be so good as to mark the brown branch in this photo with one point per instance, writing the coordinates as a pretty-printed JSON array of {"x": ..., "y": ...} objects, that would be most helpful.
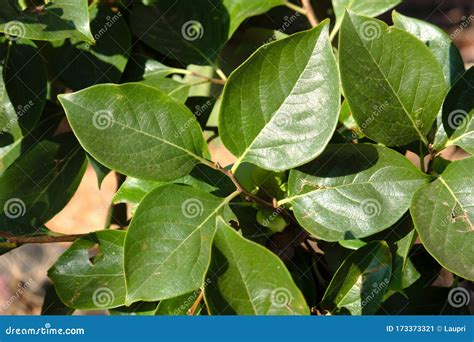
[
  {"x": 308, "y": 7},
  {"x": 240, "y": 188},
  {"x": 40, "y": 238},
  {"x": 195, "y": 306},
  {"x": 209, "y": 79}
]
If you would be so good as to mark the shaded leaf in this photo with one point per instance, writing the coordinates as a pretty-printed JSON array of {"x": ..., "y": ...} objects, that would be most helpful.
[
  {"x": 56, "y": 20},
  {"x": 359, "y": 285},
  {"x": 190, "y": 32},
  {"x": 247, "y": 279},
  {"x": 40, "y": 183}
]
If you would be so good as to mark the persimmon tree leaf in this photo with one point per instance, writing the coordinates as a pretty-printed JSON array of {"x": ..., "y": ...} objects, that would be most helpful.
[
  {"x": 352, "y": 191},
  {"x": 40, "y": 183},
  {"x": 247, "y": 279},
  {"x": 136, "y": 130},
  {"x": 458, "y": 115},
  {"x": 360, "y": 283},
  {"x": 368, "y": 8},
  {"x": 55, "y": 20},
  {"x": 191, "y": 32},
  {"x": 89, "y": 283},
  {"x": 79, "y": 64},
  {"x": 25, "y": 84},
  {"x": 240, "y": 10},
  {"x": 279, "y": 109},
  {"x": 443, "y": 213},
  {"x": 392, "y": 81},
  {"x": 437, "y": 41},
  {"x": 168, "y": 244}
]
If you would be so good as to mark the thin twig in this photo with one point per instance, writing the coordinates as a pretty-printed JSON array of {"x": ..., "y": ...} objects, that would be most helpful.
[
  {"x": 195, "y": 306},
  {"x": 295, "y": 7},
  {"x": 240, "y": 188},
  {"x": 308, "y": 7},
  {"x": 209, "y": 79},
  {"x": 39, "y": 239}
]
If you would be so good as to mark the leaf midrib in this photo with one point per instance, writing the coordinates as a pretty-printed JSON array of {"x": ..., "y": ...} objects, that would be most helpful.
[{"x": 422, "y": 137}]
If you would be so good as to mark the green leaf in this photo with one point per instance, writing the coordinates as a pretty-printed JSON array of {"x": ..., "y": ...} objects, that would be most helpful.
[
  {"x": 52, "y": 304},
  {"x": 438, "y": 42},
  {"x": 136, "y": 309},
  {"x": 191, "y": 32},
  {"x": 40, "y": 183},
  {"x": 458, "y": 115},
  {"x": 136, "y": 130},
  {"x": 240, "y": 10},
  {"x": 392, "y": 81},
  {"x": 80, "y": 65},
  {"x": 155, "y": 74},
  {"x": 177, "y": 306},
  {"x": 368, "y": 8},
  {"x": 360, "y": 283},
  {"x": 352, "y": 191},
  {"x": 168, "y": 245},
  {"x": 281, "y": 114},
  {"x": 443, "y": 215},
  {"x": 23, "y": 87},
  {"x": 56, "y": 20},
  {"x": 91, "y": 283},
  {"x": 100, "y": 170},
  {"x": 247, "y": 279}
]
